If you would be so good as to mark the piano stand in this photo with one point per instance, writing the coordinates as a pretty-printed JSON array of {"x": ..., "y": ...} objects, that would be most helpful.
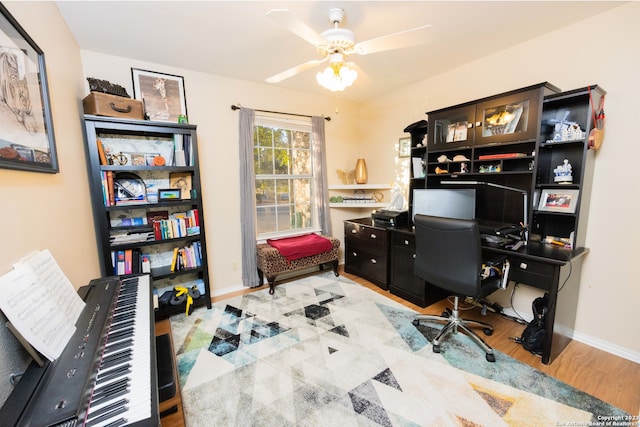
[{"x": 170, "y": 404}]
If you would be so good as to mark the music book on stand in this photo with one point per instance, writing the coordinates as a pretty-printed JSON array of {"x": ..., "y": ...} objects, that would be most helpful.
[{"x": 40, "y": 303}]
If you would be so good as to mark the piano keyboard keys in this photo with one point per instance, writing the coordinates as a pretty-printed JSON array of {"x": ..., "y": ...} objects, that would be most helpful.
[{"x": 124, "y": 370}]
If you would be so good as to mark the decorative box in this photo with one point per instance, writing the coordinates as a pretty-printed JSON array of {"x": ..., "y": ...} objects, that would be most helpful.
[{"x": 104, "y": 104}]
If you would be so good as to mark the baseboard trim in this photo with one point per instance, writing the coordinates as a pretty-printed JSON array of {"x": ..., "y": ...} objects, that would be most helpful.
[
  {"x": 614, "y": 349},
  {"x": 229, "y": 290}
]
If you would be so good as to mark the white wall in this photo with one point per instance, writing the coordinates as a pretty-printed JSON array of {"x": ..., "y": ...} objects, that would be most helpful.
[{"x": 603, "y": 50}]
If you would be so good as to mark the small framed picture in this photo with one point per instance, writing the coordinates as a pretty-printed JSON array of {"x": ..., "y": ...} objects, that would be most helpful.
[
  {"x": 162, "y": 95},
  {"x": 404, "y": 147},
  {"x": 168, "y": 194},
  {"x": 558, "y": 200},
  {"x": 182, "y": 182}
]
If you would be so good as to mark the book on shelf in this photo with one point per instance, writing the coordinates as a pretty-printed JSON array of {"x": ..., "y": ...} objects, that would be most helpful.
[
  {"x": 186, "y": 257},
  {"x": 501, "y": 156},
  {"x": 146, "y": 263},
  {"x": 128, "y": 261},
  {"x": 182, "y": 150},
  {"x": 101, "y": 153},
  {"x": 41, "y": 303}
]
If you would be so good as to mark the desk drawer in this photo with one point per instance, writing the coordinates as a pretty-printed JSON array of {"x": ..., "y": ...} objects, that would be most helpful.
[
  {"x": 533, "y": 273},
  {"x": 403, "y": 240},
  {"x": 366, "y": 234},
  {"x": 371, "y": 265}
]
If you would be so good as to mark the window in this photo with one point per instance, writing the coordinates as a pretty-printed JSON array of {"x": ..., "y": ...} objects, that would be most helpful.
[{"x": 284, "y": 174}]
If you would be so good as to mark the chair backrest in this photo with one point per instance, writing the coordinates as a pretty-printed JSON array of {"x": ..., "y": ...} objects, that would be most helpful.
[{"x": 448, "y": 253}]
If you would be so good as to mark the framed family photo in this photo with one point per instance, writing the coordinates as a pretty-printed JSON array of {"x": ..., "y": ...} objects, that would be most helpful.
[
  {"x": 559, "y": 200},
  {"x": 404, "y": 147},
  {"x": 162, "y": 95},
  {"x": 26, "y": 126}
]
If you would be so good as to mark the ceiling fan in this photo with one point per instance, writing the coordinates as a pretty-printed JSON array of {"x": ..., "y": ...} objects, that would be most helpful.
[{"x": 336, "y": 45}]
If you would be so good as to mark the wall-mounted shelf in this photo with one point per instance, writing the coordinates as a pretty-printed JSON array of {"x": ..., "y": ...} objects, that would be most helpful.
[
  {"x": 358, "y": 192},
  {"x": 360, "y": 187}
]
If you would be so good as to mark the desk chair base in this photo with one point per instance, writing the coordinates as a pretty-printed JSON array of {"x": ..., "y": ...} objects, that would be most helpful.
[{"x": 455, "y": 323}]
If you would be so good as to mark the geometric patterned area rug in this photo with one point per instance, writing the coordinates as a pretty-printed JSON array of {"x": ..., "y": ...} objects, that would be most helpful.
[{"x": 325, "y": 351}]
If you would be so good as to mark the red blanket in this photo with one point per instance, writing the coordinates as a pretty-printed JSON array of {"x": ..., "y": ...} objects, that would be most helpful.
[{"x": 301, "y": 246}]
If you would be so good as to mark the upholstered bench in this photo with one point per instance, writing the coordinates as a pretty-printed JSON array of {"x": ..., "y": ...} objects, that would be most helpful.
[{"x": 299, "y": 252}]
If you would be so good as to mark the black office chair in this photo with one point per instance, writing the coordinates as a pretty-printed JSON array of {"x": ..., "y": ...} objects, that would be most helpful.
[{"x": 449, "y": 256}]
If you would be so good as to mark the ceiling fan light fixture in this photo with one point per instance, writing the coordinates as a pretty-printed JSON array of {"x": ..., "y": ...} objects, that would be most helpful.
[{"x": 337, "y": 77}]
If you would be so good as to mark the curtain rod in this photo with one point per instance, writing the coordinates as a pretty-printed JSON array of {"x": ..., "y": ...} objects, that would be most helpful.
[{"x": 237, "y": 107}]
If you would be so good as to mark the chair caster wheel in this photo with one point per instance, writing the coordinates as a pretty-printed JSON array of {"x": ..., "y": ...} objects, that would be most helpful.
[
  {"x": 491, "y": 357},
  {"x": 416, "y": 322},
  {"x": 446, "y": 313},
  {"x": 487, "y": 331},
  {"x": 436, "y": 349}
]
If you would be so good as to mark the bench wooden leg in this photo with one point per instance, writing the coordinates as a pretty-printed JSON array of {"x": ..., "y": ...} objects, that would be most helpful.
[
  {"x": 272, "y": 281},
  {"x": 335, "y": 267}
]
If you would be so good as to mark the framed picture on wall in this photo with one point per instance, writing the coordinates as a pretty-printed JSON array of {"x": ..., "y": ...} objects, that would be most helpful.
[
  {"x": 404, "y": 147},
  {"x": 26, "y": 127},
  {"x": 162, "y": 95},
  {"x": 559, "y": 200}
]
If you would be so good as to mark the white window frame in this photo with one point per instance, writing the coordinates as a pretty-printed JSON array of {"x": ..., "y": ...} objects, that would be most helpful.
[{"x": 296, "y": 124}]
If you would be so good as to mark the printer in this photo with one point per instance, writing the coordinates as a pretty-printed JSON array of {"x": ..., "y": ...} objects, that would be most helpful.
[{"x": 390, "y": 218}]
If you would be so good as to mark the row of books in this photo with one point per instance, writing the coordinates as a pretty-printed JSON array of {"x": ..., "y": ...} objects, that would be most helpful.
[
  {"x": 187, "y": 257},
  {"x": 178, "y": 225},
  {"x": 133, "y": 261},
  {"x": 182, "y": 150},
  {"x": 130, "y": 261},
  {"x": 108, "y": 196}
]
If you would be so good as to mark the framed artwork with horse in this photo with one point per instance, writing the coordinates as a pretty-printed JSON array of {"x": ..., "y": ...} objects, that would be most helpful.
[
  {"x": 26, "y": 126},
  {"x": 162, "y": 95}
]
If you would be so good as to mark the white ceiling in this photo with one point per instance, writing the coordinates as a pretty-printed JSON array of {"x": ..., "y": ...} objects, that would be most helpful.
[{"x": 236, "y": 39}]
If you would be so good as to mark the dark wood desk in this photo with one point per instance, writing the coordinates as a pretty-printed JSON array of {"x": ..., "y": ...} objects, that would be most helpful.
[
  {"x": 550, "y": 268},
  {"x": 556, "y": 271}
]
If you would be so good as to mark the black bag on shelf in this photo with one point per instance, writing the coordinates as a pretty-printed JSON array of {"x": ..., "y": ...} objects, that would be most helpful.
[{"x": 532, "y": 338}]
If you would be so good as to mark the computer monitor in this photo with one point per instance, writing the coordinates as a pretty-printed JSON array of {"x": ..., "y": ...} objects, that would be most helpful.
[{"x": 444, "y": 202}]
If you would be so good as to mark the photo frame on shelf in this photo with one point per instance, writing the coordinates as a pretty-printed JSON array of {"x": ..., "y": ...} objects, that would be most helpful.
[
  {"x": 404, "y": 147},
  {"x": 182, "y": 182},
  {"x": 26, "y": 126},
  {"x": 168, "y": 194},
  {"x": 162, "y": 95},
  {"x": 559, "y": 200}
]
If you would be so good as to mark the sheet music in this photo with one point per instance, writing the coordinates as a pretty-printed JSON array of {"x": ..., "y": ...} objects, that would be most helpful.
[
  {"x": 41, "y": 303},
  {"x": 53, "y": 278}
]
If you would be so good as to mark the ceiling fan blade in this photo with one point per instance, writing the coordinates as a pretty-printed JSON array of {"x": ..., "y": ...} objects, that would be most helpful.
[
  {"x": 406, "y": 38},
  {"x": 293, "y": 24},
  {"x": 295, "y": 70}
]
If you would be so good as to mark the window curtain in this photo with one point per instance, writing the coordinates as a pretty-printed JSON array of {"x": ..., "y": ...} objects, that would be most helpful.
[
  {"x": 248, "y": 200},
  {"x": 320, "y": 186}
]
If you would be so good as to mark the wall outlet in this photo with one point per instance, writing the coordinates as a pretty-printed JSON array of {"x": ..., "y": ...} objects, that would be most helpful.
[{"x": 234, "y": 266}]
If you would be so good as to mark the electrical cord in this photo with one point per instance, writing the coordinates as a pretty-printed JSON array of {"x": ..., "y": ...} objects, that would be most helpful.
[
  {"x": 567, "y": 279},
  {"x": 518, "y": 315}
]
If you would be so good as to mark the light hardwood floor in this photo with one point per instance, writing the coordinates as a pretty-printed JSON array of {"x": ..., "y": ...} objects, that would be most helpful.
[{"x": 610, "y": 378}]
